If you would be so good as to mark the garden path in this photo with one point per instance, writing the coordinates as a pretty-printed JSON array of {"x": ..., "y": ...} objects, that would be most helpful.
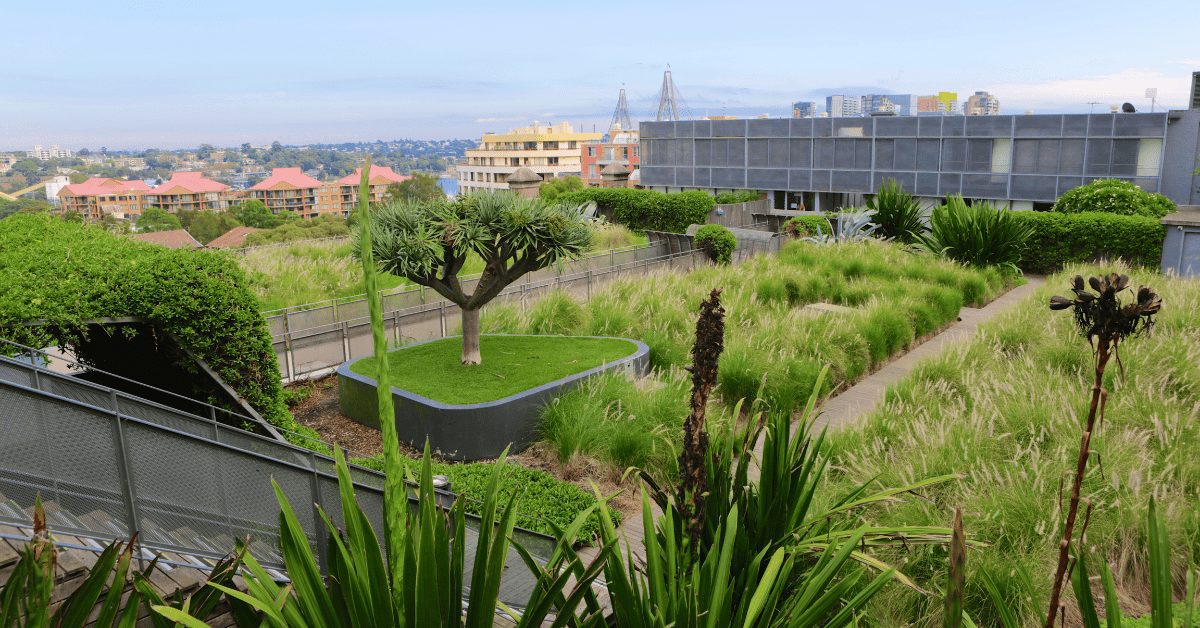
[{"x": 862, "y": 398}]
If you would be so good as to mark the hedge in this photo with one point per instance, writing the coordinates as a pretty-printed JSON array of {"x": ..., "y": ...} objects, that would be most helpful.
[
  {"x": 738, "y": 196},
  {"x": 1060, "y": 239},
  {"x": 66, "y": 273},
  {"x": 643, "y": 210}
]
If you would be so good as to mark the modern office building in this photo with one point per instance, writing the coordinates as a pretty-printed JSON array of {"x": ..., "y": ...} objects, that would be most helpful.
[
  {"x": 188, "y": 191},
  {"x": 344, "y": 197},
  {"x": 548, "y": 150},
  {"x": 1025, "y": 160},
  {"x": 981, "y": 104},
  {"x": 894, "y": 104},
  {"x": 99, "y": 196},
  {"x": 842, "y": 106},
  {"x": 617, "y": 146},
  {"x": 288, "y": 190},
  {"x": 804, "y": 109}
]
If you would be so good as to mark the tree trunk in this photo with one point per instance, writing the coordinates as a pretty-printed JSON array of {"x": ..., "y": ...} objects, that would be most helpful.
[{"x": 470, "y": 337}]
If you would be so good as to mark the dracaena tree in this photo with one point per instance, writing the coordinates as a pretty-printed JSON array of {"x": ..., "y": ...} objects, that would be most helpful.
[{"x": 428, "y": 243}]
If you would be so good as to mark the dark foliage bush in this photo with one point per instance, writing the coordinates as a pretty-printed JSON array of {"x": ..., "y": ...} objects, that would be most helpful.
[
  {"x": 976, "y": 234},
  {"x": 643, "y": 210},
  {"x": 66, "y": 273},
  {"x": 716, "y": 241},
  {"x": 737, "y": 196},
  {"x": 1114, "y": 196},
  {"x": 897, "y": 213},
  {"x": 1060, "y": 239}
]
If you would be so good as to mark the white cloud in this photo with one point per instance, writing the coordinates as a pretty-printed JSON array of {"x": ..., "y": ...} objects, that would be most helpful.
[
  {"x": 1109, "y": 89},
  {"x": 1194, "y": 62}
]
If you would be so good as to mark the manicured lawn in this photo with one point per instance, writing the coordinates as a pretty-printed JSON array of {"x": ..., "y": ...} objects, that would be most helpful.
[
  {"x": 1005, "y": 411},
  {"x": 511, "y": 364}
]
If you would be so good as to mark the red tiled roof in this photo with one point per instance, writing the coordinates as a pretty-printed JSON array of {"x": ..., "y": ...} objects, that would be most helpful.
[
  {"x": 379, "y": 174},
  {"x": 173, "y": 239},
  {"x": 189, "y": 183},
  {"x": 101, "y": 185},
  {"x": 290, "y": 176},
  {"x": 232, "y": 239}
]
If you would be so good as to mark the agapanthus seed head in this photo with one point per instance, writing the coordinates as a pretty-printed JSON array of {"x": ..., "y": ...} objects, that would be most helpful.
[{"x": 1100, "y": 314}]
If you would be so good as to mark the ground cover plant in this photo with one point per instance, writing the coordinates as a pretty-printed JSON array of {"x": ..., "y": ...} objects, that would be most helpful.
[
  {"x": 893, "y": 296},
  {"x": 1006, "y": 411},
  {"x": 518, "y": 363}
]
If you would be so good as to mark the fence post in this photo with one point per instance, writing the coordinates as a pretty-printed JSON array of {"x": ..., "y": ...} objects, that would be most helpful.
[
  {"x": 442, "y": 315},
  {"x": 128, "y": 494},
  {"x": 335, "y": 312},
  {"x": 589, "y": 284},
  {"x": 396, "y": 327},
  {"x": 345, "y": 341},
  {"x": 37, "y": 381}
]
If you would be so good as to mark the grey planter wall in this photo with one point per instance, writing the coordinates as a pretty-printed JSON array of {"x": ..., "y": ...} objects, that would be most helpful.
[
  {"x": 469, "y": 431},
  {"x": 1181, "y": 248}
]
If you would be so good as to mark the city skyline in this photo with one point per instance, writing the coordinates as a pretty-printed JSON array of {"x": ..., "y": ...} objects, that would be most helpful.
[{"x": 426, "y": 72}]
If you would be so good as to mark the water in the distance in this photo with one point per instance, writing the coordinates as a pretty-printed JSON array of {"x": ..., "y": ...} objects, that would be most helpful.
[{"x": 449, "y": 184}]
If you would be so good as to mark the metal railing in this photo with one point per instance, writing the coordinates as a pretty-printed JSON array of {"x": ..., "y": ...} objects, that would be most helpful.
[
  {"x": 107, "y": 464},
  {"x": 306, "y": 315},
  {"x": 319, "y": 350}
]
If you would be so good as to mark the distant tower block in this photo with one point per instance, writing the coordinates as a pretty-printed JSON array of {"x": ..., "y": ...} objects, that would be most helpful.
[
  {"x": 670, "y": 103},
  {"x": 621, "y": 114}
]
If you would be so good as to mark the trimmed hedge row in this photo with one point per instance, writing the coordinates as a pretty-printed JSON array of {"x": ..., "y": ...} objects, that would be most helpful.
[
  {"x": 68, "y": 273},
  {"x": 643, "y": 210},
  {"x": 738, "y": 196},
  {"x": 1060, "y": 239}
]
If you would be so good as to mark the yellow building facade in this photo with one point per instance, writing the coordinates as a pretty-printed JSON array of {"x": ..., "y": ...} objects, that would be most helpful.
[{"x": 548, "y": 150}]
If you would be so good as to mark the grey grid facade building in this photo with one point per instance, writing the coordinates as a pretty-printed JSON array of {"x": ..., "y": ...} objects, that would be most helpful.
[{"x": 1025, "y": 160}]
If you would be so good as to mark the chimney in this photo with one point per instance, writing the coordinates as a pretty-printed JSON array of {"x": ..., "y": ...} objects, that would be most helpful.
[{"x": 524, "y": 182}]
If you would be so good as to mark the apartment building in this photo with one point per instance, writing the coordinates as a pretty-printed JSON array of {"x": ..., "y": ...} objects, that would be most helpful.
[
  {"x": 1025, "y": 161},
  {"x": 982, "y": 104},
  {"x": 842, "y": 106},
  {"x": 98, "y": 197},
  {"x": 804, "y": 109},
  {"x": 46, "y": 154},
  {"x": 289, "y": 190},
  {"x": 939, "y": 103},
  {"x": 548, "y": 150},
  {"x": 190, "y": 191},
  {"x": 343, "y": 195},
  {"x": 617, "y": 146}
]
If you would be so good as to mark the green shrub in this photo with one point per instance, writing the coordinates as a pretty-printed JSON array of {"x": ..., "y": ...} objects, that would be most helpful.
[
  {"x": 556, "y": 313},
  {"x": 806, "y": 226},
  {"x": 1114, "y": 196},
  {"x": 308, "y": 229},
  {"x": 897, "y": 213},
  {"x": 65, "y": 274},
  {"x": 737, "y": 196},
  {"x": 1060, "y": 239},
  {"x": 643, "y": 210},
  {"x": 717, "y": 241},
  {"x": 976, "y": 234},
  {"x": 552, "y": 189}
]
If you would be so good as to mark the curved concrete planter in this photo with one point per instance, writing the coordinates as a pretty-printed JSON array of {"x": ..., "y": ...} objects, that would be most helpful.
[{"x": 469, "y": 431}]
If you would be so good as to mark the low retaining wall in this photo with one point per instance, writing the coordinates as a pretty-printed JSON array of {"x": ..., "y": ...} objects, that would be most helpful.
[{"x": 469, "y": 431}]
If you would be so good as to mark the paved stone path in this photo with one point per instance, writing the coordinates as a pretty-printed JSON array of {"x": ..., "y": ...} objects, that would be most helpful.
[{"x": 862, "y": 398}]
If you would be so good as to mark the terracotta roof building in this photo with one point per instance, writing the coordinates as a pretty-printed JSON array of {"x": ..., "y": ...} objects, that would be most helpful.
[
  {"x": 235, "y": 238},
  {"x": 98, "y": 196},
  {"x": 290, "y": 190},
  {"x": 346, "y": 195},
  {"x": 173, "y": 239},
  {"x": 189, "y": 191}
]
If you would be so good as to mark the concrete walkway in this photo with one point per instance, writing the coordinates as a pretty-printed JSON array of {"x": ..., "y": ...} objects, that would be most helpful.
[{"x": 856, "y": 402}]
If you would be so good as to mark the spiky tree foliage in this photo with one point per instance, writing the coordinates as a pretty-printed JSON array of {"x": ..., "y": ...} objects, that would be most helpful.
[{"x": 428, "y": 243}]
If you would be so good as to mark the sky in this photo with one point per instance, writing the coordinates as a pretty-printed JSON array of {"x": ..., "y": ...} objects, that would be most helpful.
[{"x": 177, "y": 73}]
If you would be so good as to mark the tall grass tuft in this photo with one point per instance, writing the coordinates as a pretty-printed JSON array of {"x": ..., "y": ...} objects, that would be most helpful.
[{"x": 897, "y": 213}]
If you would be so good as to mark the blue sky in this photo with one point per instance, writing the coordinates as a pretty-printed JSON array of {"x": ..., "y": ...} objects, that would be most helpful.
[{"x": 176, "y": 73}]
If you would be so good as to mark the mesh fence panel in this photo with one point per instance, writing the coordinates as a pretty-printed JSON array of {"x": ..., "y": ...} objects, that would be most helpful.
[
  {"x": 79, "y": 391},
  {"x": 15, "y": 373}
]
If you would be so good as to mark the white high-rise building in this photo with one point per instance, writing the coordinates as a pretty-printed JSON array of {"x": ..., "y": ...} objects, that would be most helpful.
[
  {"x": 842, "y": 106},
  {"x": 46, "y": 154}
]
